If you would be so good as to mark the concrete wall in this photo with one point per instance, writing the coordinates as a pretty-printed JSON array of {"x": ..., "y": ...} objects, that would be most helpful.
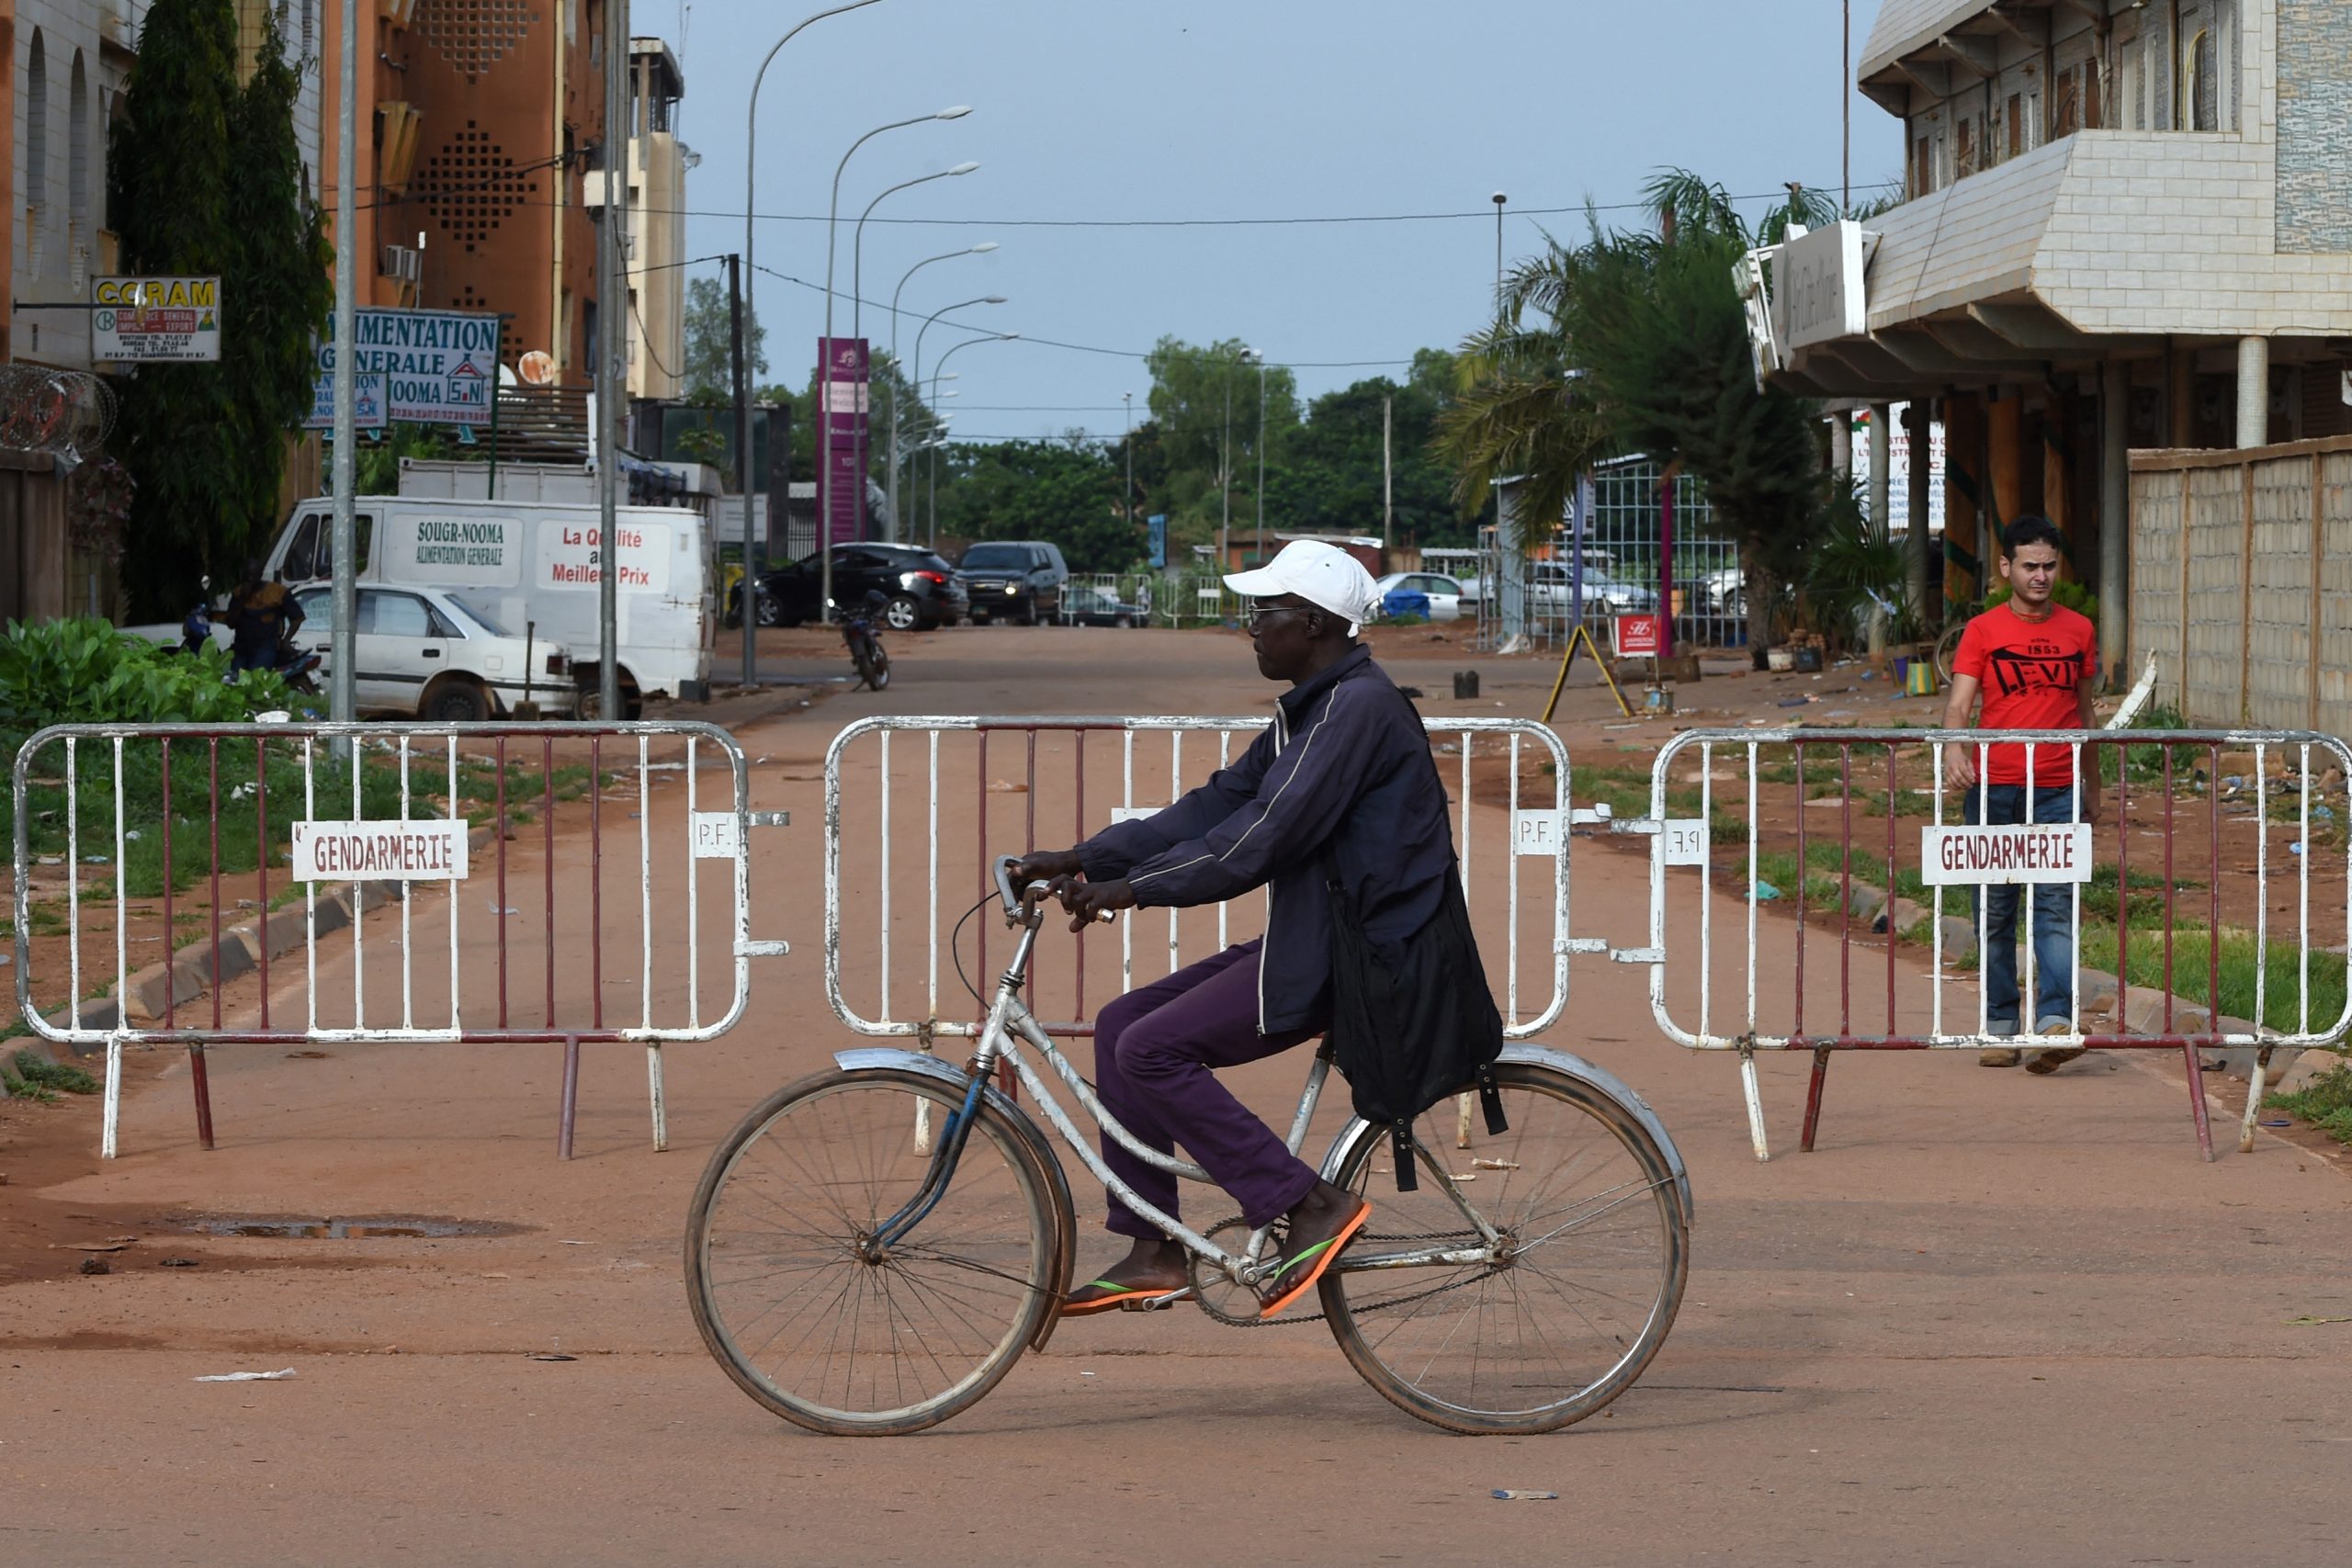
[{"x": 2241, "y": 582}]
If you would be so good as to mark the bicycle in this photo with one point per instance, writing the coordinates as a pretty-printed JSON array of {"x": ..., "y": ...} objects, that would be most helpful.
[{"x": 856, "y": 1275}]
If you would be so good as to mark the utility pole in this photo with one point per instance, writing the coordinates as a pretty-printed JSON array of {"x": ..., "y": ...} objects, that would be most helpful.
[
  {"x": 1129, "y": 399},
  {"x": 1846, "y": 106},
  {"x": 343, "y": 703},
  {"x": 749, "y": 601},
  {"x": 1387, "y": 471},
  {"x": 612, "y": 382},
  {"x": 1499, "y": 198},
  {"x": 1261, "y": 459}
]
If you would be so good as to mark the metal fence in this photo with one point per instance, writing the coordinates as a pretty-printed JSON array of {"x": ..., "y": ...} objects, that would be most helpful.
[
  {"x": 264, "y": 844},
  {"x": 1859, "y": 836},
  {"x": 1534, "y": 596},
  {"x": 926, "y": 803}
]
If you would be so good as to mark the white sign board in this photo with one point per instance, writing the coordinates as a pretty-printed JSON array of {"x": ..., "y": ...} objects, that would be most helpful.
[
  {"x": 367, "y": 404},
  {"x": 2054, "y": 851},
  {"x": 571, "y": 555},
  {"x": 464, "y": 551},
  {"x": 438, "y": 366},
  {"x": 1817, "y": 286},
  {"x": 718, "y": 835},
  {"x": 1536, "y": 832},
  {"x": 147, "y": 320},
  {"x": 429, "y": 850},
  {"x": 1684, "y": 839}
]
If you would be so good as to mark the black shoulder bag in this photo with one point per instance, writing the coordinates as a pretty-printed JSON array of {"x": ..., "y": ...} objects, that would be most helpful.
[{"x": 1409, "y": 1035}]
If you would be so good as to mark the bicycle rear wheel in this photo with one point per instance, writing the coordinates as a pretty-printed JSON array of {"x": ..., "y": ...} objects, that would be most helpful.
[
  {"x": 1597, "y": 1250},
  {"x": 803, "y": 1322}
]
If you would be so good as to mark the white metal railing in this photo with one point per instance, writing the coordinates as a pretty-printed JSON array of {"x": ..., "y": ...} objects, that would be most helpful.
[
  {"x": 949, "y": 831},
  {"x": 440, "y": 973},
  {"x": 1869, "y": 781}
]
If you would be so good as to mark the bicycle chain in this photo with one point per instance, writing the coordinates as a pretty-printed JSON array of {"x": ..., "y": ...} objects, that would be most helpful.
[{"x": 1201, "y": 1281}]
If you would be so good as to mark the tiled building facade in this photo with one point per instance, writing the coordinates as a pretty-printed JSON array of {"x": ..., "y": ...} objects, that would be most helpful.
[{"x": 2123, "y": 225}]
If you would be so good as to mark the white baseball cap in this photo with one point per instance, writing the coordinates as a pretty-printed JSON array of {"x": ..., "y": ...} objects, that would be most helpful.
[{"x": 1324, "y": 575}]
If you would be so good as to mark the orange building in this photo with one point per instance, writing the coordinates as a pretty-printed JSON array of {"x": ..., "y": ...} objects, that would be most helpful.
[{"x": 480, "y": 117}]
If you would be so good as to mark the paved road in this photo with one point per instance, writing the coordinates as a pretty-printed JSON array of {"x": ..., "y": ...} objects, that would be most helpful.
[{"x": 1993, "y": 1320}]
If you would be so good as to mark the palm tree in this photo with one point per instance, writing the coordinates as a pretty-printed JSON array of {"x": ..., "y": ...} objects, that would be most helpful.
[{"x": 1638, "y": 342}]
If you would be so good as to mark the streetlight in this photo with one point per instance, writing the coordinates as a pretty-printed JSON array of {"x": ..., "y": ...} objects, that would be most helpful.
[
  {"x": 897, "y": 373},
  {"x": 857, "y": 241},
  {"x": 1248, "y": 354},
  {"x": 1225, "y": 471},
  {"x": 983, "y": 299},
  {"x": 825, "y": 371},
  {"x": 1498, "y": 199},
  {"x": 988, "y": 337},
  {"x": 1129, "y": 399},
  {"x": 918, "y": 450},
  {"x": 752, "y": 562}
]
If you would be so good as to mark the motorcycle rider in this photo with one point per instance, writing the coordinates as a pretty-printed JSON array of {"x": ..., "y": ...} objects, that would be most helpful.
[{"x": 263, "y": 615}]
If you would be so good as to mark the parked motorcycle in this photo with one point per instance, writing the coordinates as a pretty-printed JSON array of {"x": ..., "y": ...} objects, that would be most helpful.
[{"x": 861, "y": 631}]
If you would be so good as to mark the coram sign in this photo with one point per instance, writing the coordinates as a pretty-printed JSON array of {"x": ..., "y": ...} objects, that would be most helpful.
[
  {"x": 436, "y": 366},
  {"x": 382, "y": 851},
  {"x": 1816, "y": 294},
  {"x": 2054, "y": 851},
  {"x": 150, "y": 319}
]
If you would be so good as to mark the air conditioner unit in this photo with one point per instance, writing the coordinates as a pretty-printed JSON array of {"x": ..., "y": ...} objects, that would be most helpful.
[{"x": 403, "y": 262}]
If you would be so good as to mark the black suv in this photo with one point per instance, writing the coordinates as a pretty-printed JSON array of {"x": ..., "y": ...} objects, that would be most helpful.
[
  {"x": 922, "y": 588},
  {"x": 1013, "y": 580}
]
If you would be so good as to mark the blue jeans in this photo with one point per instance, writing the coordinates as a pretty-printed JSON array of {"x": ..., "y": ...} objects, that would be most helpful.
[{"x": 2053, "y": 926}]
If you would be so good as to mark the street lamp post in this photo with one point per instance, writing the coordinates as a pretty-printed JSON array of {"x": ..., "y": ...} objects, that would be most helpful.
[
  {"x": 857, "y": 240},
  {"x": 1129, "y": 399},
  {"x": 751, "y": 556},
  {"x": 1498, "y": 199},
  {"x": 917, "y": 379},
  {"x": 1260, "y": 359},
  {"x": 825, "y": 371},
  {"x": 989, "y": 337},
  {"x": 936, "y": 397},
  {"x": 898, "y": 375}
]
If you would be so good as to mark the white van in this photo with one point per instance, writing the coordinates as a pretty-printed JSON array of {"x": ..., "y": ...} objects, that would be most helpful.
[{"x": 537, "y": 562}]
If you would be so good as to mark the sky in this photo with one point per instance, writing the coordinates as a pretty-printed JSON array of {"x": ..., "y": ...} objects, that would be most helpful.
[{"x": 1098, "y": 122}]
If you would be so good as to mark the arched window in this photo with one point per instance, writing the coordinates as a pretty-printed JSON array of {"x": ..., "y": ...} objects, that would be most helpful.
[
  {"x": 77, "y": 176},
  {"x": 36, "y": 151}
]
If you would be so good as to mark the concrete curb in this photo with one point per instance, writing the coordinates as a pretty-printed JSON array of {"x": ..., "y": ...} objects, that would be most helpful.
[{"x": 188, "y": 975}]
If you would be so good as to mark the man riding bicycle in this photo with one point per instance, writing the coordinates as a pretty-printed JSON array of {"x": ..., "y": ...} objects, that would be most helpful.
[{"x": 1341, "y": 785}]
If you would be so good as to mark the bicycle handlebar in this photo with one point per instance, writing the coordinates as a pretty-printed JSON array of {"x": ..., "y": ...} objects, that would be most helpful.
[{"x": 1019, "y": 906}]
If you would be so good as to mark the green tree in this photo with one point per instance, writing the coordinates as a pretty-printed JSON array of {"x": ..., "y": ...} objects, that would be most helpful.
[
  {"x": 279, "y": 296},
  {"x": 1638, "y": 342},
  {"x": 1205, "y": 403},
  {"x": 708, "y": 372},
  {"x": 172, "y": 166},
  {"x": 1065, "y": 490},
  {"x": 1329, "y": 480}
]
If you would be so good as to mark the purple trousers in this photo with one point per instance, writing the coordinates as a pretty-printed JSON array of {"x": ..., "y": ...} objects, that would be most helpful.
[{"x": 1153, "y": 1051}]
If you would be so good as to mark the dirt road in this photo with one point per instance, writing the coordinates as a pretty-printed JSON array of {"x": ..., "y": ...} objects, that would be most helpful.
[{"x": 1993, "y": 1319}]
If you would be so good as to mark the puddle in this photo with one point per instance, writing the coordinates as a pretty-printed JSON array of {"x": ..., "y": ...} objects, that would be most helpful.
[{"x": 353, "y": 1227}]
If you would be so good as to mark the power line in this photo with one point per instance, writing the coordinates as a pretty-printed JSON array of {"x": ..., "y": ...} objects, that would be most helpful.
[{"x": 1096, "y": 348}]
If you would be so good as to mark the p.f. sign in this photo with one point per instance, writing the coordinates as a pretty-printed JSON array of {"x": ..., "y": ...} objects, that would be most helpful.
[{"x": 2036, "y": 851}]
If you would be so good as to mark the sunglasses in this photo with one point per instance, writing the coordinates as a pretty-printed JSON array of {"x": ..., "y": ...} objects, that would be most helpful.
[{"x": 1260, "y": 613}]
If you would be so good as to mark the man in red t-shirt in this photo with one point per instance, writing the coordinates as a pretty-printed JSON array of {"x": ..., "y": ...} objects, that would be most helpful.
[{"x": 2032, "y": 662}]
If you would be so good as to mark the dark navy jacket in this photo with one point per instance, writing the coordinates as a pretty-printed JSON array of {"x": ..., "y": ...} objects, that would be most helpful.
[{"x": 1346, "y": 765}]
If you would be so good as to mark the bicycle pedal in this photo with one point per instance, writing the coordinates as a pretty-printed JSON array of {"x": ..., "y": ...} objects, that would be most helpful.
[{"x": 1161, "y": 1303}]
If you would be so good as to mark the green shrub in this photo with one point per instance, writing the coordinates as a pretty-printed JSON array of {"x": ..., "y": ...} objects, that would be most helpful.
[
  {"x": 2325, "y": 1102},
  {"x": 88, "y": 671}
]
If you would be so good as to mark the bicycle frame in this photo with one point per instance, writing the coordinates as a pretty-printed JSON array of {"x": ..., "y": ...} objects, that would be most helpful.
[{"x": 1010, "y": 1022}]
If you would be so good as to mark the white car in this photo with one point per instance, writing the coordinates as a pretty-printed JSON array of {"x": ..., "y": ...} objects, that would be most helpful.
[
  {"x": 1444, "y": 593},
  {"x": 438, "y": 656},
  {"x": 1551, "y": 590}
]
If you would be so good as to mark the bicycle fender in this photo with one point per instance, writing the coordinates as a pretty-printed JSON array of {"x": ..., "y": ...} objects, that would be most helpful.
[
  {"x": 872, "y": 1059},
  {"x": 1595, "y": 1077}
]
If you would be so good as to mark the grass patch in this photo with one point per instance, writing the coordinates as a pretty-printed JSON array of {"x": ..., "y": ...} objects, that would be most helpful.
[
  {"x": 2325, "y": 1102},
  {"x": 2240, "y": 958},
  {"x": 30, "y": 1078}
]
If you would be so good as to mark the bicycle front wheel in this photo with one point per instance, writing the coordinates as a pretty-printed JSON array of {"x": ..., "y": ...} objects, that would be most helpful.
[
  {"x": 799, "y": 1313},
  {"x": 1596, "y": 1249}
]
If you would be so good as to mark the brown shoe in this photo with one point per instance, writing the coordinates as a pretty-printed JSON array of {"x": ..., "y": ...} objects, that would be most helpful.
[
  {"x": 2002, "y": 1057},
  {"x": 2051, "y": 1060}
]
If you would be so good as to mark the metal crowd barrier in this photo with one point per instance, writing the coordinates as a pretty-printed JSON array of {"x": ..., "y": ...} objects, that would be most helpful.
[
  {"x": 2273, "y": 812},
  {"x": 963, "y": 814},
  {"x": 401, "y": 840}
]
